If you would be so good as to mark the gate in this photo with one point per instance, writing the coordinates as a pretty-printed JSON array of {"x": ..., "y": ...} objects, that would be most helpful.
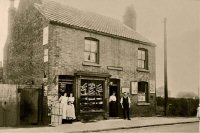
[
  {"x": 9, "y": 105},
  {"x": 30, "y": 104}
]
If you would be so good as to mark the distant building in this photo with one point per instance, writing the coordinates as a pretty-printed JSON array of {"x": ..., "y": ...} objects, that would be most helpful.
[{"x": 89, "y": 55}]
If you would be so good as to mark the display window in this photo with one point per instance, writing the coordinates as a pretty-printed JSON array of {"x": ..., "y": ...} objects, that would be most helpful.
[{"x": 91, "y": 98}]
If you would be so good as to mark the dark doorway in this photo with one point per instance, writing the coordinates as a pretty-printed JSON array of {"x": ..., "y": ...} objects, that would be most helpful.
[
  {"x": 69, "y": 89},
  {"x": 113, "y": 106},
  {"x": 65, "y": 85}
]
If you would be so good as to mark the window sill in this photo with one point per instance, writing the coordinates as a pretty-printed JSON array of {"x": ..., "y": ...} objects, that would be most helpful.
[
  {"x": 115, "y": 68},
  {"x": 143, "y": 103},
  {"x": 143, "y": 70},
  {"x": 90, "y": 64}
]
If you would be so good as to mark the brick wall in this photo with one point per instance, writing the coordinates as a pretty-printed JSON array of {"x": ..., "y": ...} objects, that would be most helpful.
[{"x": 66, "y": 53}]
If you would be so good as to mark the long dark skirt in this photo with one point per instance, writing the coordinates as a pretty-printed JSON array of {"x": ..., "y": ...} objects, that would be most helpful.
[{"x": 113, "y": 109}]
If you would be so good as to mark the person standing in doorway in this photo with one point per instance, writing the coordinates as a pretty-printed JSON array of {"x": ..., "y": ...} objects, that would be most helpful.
[
  {"x": 113, "y": 105},
  {"x": 126, "y": 104},
  {"x": 63, "y": 100},
  {"x": 70, "y": 108}
]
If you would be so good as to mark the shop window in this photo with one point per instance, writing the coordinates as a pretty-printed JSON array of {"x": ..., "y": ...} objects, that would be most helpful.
[
  {"x": 91, "y": 50},
  {"x": 91, "y": 99},
  {"x": 142, "y": 58},
  {"x": 143, "y": 92}
]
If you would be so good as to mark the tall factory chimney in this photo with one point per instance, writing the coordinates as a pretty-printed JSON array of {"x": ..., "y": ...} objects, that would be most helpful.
[
  {"x": 11, "y": 15},
  {"x": 8, "y": 44}
]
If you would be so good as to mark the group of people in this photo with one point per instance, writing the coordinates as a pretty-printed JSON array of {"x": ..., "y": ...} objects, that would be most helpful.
[
  {"x": 125, "y": 104},
  {"x": 68, "y": 111}
]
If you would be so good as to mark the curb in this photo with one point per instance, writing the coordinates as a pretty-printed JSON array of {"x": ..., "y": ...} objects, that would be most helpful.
[{"x": 109, "y": 129}]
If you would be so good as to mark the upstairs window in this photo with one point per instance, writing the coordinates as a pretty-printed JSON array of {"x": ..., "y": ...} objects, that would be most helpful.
[
  {"x": 91, "y": 53},
  {"x": 142, "y": 58}
]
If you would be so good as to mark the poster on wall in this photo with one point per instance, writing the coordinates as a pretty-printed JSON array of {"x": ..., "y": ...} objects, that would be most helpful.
[
  {"x": 45, "y": 35},
  {"x": 152, "y": 86},
  {"x": 45, "y": 90},
  {"x": 134, "y": 87},
  {"x": 126, "y": 90},
  {"x": 141, "y": 97}
]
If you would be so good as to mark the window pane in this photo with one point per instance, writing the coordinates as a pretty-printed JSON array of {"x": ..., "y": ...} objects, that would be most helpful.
[
  {"x": 143, "y": 55},
  {"x": 94, "y": 46},
  {"x": 87, "y": 45},
  {"x": 139, "y": 54},
  {"x": 93, "y": 57},
  {"x": 138, "y": 63},
  {"x": 142, "y": 64},
  {"x": 84, "y": 86},
  {"x": 91, "y": 88},
  {"x": 91, "y": 98},
  {"x": 87, "y": 56}
]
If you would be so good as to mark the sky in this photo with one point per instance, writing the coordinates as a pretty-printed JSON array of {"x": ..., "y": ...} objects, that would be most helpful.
[{"x": 183, "y": 34}]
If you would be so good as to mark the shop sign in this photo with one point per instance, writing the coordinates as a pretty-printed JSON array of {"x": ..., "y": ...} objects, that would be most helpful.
[
  {"x": 45, "y": 90},
  {"x": 152, "y": 86},
  {"x": 126, "y": 90},
  {"x": 45, "y": 35},
  {"x": 134, "y": 87},
  {"x": 141, "y": 97}
]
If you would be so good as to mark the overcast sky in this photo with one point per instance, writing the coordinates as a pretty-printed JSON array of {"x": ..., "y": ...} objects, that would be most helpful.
[{"x": 183, "y": 30}]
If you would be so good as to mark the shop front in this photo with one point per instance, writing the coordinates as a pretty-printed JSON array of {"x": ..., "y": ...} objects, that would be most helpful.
[{"x": 91, "y": 93}]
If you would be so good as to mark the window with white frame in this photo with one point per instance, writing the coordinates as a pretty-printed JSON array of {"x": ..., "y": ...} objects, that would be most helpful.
[
  {"x": 91, "y": 50},
  {"x": 142, "y": 58},
  {"x": 143, "y": 91}
]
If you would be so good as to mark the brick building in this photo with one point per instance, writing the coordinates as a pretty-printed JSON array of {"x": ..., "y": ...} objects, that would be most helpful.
[{"x": 90, "y": 55}]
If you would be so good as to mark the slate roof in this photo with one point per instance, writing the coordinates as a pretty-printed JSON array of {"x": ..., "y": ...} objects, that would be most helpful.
[{"x": 57, "y": 12}]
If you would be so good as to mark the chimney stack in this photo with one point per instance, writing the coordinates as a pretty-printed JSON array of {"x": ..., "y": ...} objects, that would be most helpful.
[
  {"x": 11, "y": 16},
  {"x": 129, "y": 17},
  {"x": 12, "y": 3}
]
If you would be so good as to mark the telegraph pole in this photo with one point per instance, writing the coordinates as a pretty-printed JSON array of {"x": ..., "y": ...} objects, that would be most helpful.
[{"x": 165, "y": 66}]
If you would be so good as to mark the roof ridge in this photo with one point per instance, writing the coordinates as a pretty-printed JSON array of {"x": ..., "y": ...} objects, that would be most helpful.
[{"x": 64, "y": 14}]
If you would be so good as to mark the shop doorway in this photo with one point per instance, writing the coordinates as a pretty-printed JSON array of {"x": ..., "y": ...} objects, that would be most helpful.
[
  {"x": 114, "y": 106},
  {"x": 65, "y": 85}
]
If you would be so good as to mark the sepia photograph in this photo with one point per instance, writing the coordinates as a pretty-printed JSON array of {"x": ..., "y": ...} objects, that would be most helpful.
[{"x": 69, "y": 66}]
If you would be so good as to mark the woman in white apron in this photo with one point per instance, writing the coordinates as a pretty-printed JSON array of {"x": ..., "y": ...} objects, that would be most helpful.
[
  {"x": 64, "y": 99},
  {"x": 70, "y": 107}
]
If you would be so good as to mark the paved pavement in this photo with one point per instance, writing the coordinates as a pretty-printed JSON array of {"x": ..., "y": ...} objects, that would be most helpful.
[
  {"x": 105, "y": 125},
  {"x": 177, "y": 128}
]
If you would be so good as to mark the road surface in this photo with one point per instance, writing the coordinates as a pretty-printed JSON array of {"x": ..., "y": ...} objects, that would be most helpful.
[{"x": 188, "y": 127}]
